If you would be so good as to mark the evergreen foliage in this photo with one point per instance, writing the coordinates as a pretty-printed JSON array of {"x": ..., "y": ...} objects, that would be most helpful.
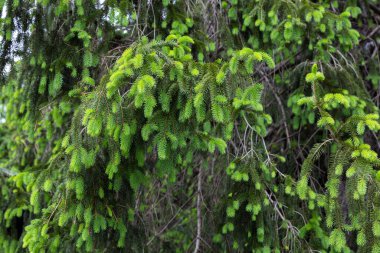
[{"x": 177, "y": 126}]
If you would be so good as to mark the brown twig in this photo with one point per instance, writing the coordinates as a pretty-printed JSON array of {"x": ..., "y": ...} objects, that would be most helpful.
[{"x": 199, "y": 212}]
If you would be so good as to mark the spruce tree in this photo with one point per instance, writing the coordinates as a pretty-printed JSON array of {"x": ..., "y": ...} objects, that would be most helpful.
[{"x": 178, "y": 126}]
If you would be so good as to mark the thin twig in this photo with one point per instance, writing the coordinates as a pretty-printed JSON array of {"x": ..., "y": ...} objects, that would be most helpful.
[
  {"x": 7, "y": 172},
  {"x": 199, "y": 213}
]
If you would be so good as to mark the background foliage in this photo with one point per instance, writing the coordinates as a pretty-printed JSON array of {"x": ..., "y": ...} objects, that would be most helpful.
[{"x": 189, "y": 125}]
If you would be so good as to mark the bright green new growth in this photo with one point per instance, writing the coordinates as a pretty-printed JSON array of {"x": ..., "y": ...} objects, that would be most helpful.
[
  {"x": 352, "y": 163},
  {"x": 189, "y": 126},
  {"x": 137, "y": 114}
]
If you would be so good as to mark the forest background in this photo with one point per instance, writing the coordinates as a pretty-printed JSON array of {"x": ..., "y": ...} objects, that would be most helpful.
[{"x": 189, "y": 126}]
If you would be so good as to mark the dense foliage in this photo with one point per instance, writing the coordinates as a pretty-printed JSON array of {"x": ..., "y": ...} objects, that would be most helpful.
[{"x": 189, "y": 125}]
